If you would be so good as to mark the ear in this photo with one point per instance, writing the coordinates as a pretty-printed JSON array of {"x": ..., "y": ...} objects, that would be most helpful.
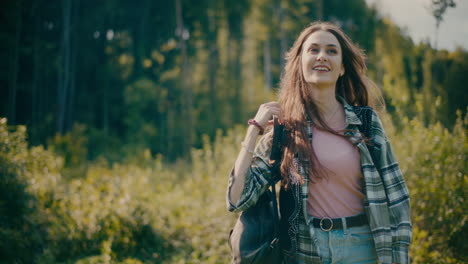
[{"x": 342, "y": 72}]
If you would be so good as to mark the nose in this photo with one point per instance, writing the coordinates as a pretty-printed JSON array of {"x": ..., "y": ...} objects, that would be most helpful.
[{"x": 322, "y": 56}]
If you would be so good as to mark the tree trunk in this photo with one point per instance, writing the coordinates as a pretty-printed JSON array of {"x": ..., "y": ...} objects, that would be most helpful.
[
  {"x": 72, "y": 84},
  {"x": 187, "y": 98},
  {"x": 170, "y": 133},
  {"x": 14, "y": 66},
  {"x": 238, "y": 113},
  {"x": 33, "y": 127},
  {"x": 64, "y": 77},
  {"x": 71, "y": 98},
  {"x": 283, "y": 39},
  {"x": 139, "y": 37},
  {"x": 319, "y": 9},
  {"x": 267, "y": 64},
  {"x": 163, "y": 133},
  {"x": 105, "y": 106},
  {"x": 213, "y": 64}
]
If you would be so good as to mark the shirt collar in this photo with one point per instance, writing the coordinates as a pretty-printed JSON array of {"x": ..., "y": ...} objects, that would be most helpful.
[{"x": 350, "y": 116}]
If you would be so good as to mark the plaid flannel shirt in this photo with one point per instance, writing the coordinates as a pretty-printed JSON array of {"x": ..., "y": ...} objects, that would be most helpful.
[{"x": 386, "y": 202}]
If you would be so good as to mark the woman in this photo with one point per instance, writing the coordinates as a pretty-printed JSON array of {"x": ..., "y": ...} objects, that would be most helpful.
[{"x": 349, "y": 203}]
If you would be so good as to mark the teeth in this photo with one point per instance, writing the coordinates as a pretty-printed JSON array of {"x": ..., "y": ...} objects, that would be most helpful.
[{"x": 320, "y": 68}]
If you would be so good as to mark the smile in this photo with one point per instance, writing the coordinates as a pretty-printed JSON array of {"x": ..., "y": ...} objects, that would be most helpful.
[{"x": 321, "y": 68}]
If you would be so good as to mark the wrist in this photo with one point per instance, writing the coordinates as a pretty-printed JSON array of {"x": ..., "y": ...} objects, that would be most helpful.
[
  {"x": 400, "y": 254},
  {"x": 254, "y": 123}
]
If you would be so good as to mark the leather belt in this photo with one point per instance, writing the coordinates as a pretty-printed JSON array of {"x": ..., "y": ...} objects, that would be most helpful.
[{"x": 327, "y": 224}]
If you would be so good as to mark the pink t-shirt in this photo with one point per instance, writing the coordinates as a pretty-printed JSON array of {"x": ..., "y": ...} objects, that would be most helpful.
[{"x": 340, "y": 193}]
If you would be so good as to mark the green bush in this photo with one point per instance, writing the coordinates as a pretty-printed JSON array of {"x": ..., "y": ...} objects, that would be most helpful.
[
  {"x": 27, "y": 180},
  {"x": 433, "y": 161},
  {"x": 147, "y": 211},
  {"x": 72, "y": 146}
]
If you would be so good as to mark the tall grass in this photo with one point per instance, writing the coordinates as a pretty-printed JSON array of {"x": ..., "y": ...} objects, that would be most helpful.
[{"x": 146, "y": 211}]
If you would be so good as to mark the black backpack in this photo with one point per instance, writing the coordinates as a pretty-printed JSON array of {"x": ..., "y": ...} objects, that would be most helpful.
[{"x": 255, "y": 237}]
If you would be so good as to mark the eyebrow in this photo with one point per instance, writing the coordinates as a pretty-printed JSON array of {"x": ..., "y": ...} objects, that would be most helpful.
[{"x": 328, "y": 45}]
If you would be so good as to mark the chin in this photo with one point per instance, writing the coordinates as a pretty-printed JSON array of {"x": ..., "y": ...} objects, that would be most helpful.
[{"x": 320, "y": 81}]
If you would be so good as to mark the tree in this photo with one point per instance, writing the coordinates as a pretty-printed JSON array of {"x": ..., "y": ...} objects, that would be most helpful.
[
  {"x": 438, "y": 9},
  {"x": 66, "y": 75},
  {"x": 14, "y": 61}
]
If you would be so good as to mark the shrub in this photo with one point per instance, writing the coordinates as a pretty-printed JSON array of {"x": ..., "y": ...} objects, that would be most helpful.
[
  {"x": 433, "y": 161},
  {"x": 27, "y": 180},
  {"x": 147, "y": 211}
]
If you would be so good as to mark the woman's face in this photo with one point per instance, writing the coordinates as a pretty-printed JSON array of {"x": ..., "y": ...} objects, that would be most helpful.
[{"x": 322, "y": 59}]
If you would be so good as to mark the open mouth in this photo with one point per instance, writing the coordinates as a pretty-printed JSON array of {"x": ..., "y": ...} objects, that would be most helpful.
[{"x": 321, "y": 68}]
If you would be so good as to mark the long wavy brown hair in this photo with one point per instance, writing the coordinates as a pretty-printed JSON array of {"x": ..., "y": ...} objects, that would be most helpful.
[{"x": 297, "y": 102}]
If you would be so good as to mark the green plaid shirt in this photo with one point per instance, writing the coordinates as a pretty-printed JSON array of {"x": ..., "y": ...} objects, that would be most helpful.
[{"x": 386, "y": 203}]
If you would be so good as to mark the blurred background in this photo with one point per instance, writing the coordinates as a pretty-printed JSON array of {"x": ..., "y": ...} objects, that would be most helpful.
[{"x": 120, "y": 120}]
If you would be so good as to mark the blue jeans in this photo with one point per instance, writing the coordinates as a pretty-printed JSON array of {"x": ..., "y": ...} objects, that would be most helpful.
[{"x": 348, "y": 245}]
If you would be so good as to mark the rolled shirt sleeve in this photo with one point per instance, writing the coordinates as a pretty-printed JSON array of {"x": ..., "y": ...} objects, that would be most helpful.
[
  {"x": 396, "y": 191},
  {"x": 257, "y": 177}
]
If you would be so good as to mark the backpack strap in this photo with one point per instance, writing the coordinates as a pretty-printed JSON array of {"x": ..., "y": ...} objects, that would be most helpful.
[
  {"x": 364, "y": 114},
  {"x": 277, "y": 147},
  {"x": 276, "y": 156}
]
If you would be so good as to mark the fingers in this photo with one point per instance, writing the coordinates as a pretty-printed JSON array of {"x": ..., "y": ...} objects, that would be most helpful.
[
  {"x": 272, "y": 121},
  {"x": 273, "y": 107},
  {"x": 266, "y": 111}
]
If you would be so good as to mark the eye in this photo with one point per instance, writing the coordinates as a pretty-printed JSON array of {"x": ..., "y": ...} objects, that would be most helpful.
[
  {"x": 314, "y": 50},
  {"x": 333, "y": 51}
]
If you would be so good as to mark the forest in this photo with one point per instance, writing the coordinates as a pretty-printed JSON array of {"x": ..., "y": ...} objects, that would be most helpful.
[{"x": 120, "y": 121}]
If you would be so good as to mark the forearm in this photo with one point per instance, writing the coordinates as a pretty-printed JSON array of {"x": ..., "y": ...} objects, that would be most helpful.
[
  {"x": 240, "y": 176},
  {"x": 243, "y": 162}
]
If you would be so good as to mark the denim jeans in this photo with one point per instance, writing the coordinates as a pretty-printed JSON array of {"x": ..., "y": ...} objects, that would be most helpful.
[{"x": 348, "y": 245}]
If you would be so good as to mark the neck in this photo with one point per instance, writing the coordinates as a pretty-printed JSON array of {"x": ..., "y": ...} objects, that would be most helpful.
[{"x": 325, "y": 99}]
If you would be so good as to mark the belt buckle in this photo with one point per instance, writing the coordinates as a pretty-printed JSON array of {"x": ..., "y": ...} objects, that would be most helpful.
[{"x": 322, "y": 223}]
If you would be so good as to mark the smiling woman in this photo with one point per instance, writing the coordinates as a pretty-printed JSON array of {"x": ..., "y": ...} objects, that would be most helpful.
[
  {"x": 321, "y": 61},
  {"x": 343, "y": 198}
]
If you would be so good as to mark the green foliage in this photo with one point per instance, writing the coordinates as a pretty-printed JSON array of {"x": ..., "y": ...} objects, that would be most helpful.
[
  {"x": 140, "y": 98},
  {"x": 433, "y": 161},
  {"x": 28, "y": 177},
  {"x": 133, "y": 88},
  {"x": 107, "y": 211},
  {"x": 14, "y": 200},
  {"x": 192, "y": 202},
  {"x": 73, "y": 146},
  {"x": 146, "y": 211},
  {"x": 456, "y": 76},
  {"x": 416, "y": 79},
  {"x": 126, "y": 205}
]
